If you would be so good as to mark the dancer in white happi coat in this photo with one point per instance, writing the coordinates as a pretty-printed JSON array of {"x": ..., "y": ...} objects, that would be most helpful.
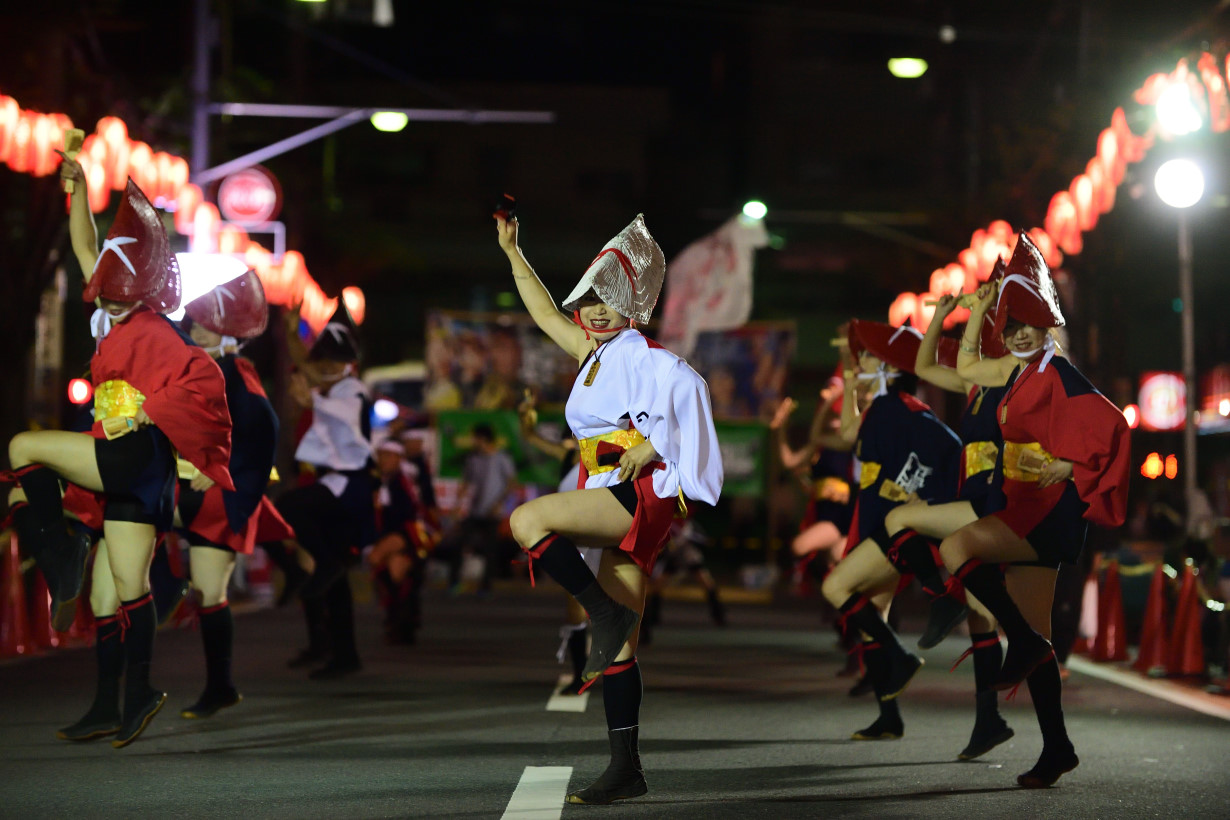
[{"x": 644, "y": 424}]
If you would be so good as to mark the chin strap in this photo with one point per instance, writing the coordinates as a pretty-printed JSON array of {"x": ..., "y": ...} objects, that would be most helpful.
[
  {"x": 576, "y": 317},
  {"x": 1048, "y": 346},
  {"x": 102, "y": 322},
  {"x": 882, "y": 377},
  {"x": 220, "y": 348}
]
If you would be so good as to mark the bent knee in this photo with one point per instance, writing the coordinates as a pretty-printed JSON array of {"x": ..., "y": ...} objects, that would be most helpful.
[
  {"x": 527, "y": 525},
  {"x": 834, "y": 590},
  {"x": 20, "y": 447},
  {"x": 955, "y": 551}
]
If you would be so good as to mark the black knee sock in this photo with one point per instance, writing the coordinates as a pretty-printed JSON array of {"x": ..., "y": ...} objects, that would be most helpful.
[
  {"x": 42, "y": 488},
  {"x": 218, "y": 636},
  {"x": 317, "y": 628},
  {"x": 859, "y": 613},
  {"x": 986, "y": 583},
  {"x": 578, "y": 648},
  {"x": 876, "y": 660},
  {"x": 1045, "y": 688},
  {"x": 559, "y": 558},
  {"x": 340, "y": 607},
  {"x": 914, "y": 552},
  {"x": 139, "y": 621},
  {"x": 621, "y": 695},
  {"x": 109, "y": 653},
  {"x": 988, "y": 655}
]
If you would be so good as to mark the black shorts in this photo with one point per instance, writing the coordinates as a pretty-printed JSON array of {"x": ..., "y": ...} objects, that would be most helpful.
[
  {"x": 625, "y": 493},
  {"x": 189, "y": 506},
  {"x": 138, "y": 477},
  {"x": 1060, "y": 537}
]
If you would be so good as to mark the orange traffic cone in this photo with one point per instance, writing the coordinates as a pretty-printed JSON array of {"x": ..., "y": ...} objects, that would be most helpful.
[
  {"x": 41, "y": 632},
  {"x": 1151, "y": 659},
  {"x": 1111, "y": 642},
  {"x": 1186, "y": 650},
  {"x": 14, "y": 623}
]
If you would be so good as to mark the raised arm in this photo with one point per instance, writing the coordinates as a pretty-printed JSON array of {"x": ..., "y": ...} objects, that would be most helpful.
[
  {"x": 791, "y": 459},
  {"x": 537, "y": 299},
  {"x": 970, "y": 365},
  {"x": 81, "y": 228},
  {"x": 926, "y": 363},
  {"x": 850, "y": 416}
]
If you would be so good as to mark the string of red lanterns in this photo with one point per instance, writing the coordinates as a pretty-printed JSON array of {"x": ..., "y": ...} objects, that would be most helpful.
[
  {"x": 28, "y": 144},
  {"x": 1074, "y": 211}
]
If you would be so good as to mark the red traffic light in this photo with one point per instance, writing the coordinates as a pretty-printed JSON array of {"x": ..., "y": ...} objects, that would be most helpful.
[{"x": 80, "y": 391}]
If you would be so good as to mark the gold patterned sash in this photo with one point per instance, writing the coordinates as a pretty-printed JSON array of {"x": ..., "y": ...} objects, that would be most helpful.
[
  {"x": 116, "y": 399},
  {"x": 1025, "y": 462},
  {"x": 980, "y": 457},
  {"x": 623, "y": 439}
]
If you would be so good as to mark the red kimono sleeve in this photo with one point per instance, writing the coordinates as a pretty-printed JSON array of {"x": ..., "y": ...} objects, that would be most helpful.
[
  {"x": 1085, "y": 428},
  {"x": 190, "y": 407}
]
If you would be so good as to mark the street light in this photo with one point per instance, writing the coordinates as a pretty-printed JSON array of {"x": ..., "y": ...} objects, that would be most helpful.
[
  {"x": 1175, "y": 110},
  {"x": 1180, "y": 184},
  {"x": 907, "y": 68},
  {"x": 755, "y": 209}
]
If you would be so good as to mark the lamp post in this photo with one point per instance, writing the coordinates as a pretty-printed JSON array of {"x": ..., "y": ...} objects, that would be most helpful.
[{"x": 1180, "y": 184}]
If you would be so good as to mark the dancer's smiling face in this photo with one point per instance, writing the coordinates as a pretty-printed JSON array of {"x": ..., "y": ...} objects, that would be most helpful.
[
  {"x": 118, "y": 311},
  {"x": 1022, "y": 338},
  {"x": 602, "y": 320}
]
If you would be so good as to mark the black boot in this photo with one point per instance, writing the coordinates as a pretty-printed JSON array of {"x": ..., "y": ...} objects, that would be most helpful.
[
  {"x": 946, "y": 613},
  {"x": 888, "y": 726},
  {"x": 60, "y": 556},
  {"x": 613, "y": 623},
  {"x": 990, "y": 729},
  {"x": 623, "y": 778},
  {"x": 577, "y": 640},
  {"x": 1058, "y": 754},
  {"x": 900, "y": 665},
  {"x": 344, "y": 657},
  {"x": 103, "y": 718},
  {"x": 318, "y": 635},
  {"x": 218, "y": 637},
  {"x": 141, "y": 701},
  {"x": 717, "y": 611},
  {"x": 170, "y": 591}
]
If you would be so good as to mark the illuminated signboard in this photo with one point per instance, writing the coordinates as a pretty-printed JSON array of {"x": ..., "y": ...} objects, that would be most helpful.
[
  {"x": 251, "y": 195},
  {"x": 1163, "y": 401}
]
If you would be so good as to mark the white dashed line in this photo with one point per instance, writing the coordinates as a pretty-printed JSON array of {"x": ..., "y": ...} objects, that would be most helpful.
[
  {"x": 540, "y": 793},
  {"x": 567, "y": 703}
]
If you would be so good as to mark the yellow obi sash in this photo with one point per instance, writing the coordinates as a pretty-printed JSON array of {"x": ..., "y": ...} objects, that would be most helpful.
[
  {"x": 831, "y": 488},
  {"x": 979, "y": 457},
  {"x": 116, "y": 399},
  {"x": 623, "y": 439},
  {"x": 1025, "y": 462}
]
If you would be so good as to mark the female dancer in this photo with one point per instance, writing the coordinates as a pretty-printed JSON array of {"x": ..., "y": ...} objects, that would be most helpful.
[
  {"x": 1065, "y": 463},
  {"x": 645, "y": 427},
  {"x": 908, "y": 529},
  {"x": 155, "y": 393},
  {"x": 221, "y": 523},
  {"x": 904, "y": 451}
]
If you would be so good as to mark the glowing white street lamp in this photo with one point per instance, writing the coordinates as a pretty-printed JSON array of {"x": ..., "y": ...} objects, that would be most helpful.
[
  {"x": 755, "y": 209},
  {"x": 1175, "y": 110},
  {"x": 391, "y": 121},
  {"x": 1180, "y": 184},
  {"x": 907, "y": 68}
]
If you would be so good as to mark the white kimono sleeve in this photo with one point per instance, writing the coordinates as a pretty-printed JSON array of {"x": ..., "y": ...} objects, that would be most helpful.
[{"x": 672, "y": 409}]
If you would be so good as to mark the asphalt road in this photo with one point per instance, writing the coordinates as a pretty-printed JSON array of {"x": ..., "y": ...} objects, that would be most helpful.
[{"x": 747, "y": 721}]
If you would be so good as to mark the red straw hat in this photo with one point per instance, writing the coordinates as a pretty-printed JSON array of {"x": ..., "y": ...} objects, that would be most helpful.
[
  {"x": 236, "y": 308},
  {"x": 136, "y": 263},
  {"x": 1027, "y": 292}
]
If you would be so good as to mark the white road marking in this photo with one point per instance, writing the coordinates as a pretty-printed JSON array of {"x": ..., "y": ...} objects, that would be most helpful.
[
  {"x": 540, "y": 794},
  {"x": 567, "y": 703},
  {"x": 1213, "y": 705}
]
